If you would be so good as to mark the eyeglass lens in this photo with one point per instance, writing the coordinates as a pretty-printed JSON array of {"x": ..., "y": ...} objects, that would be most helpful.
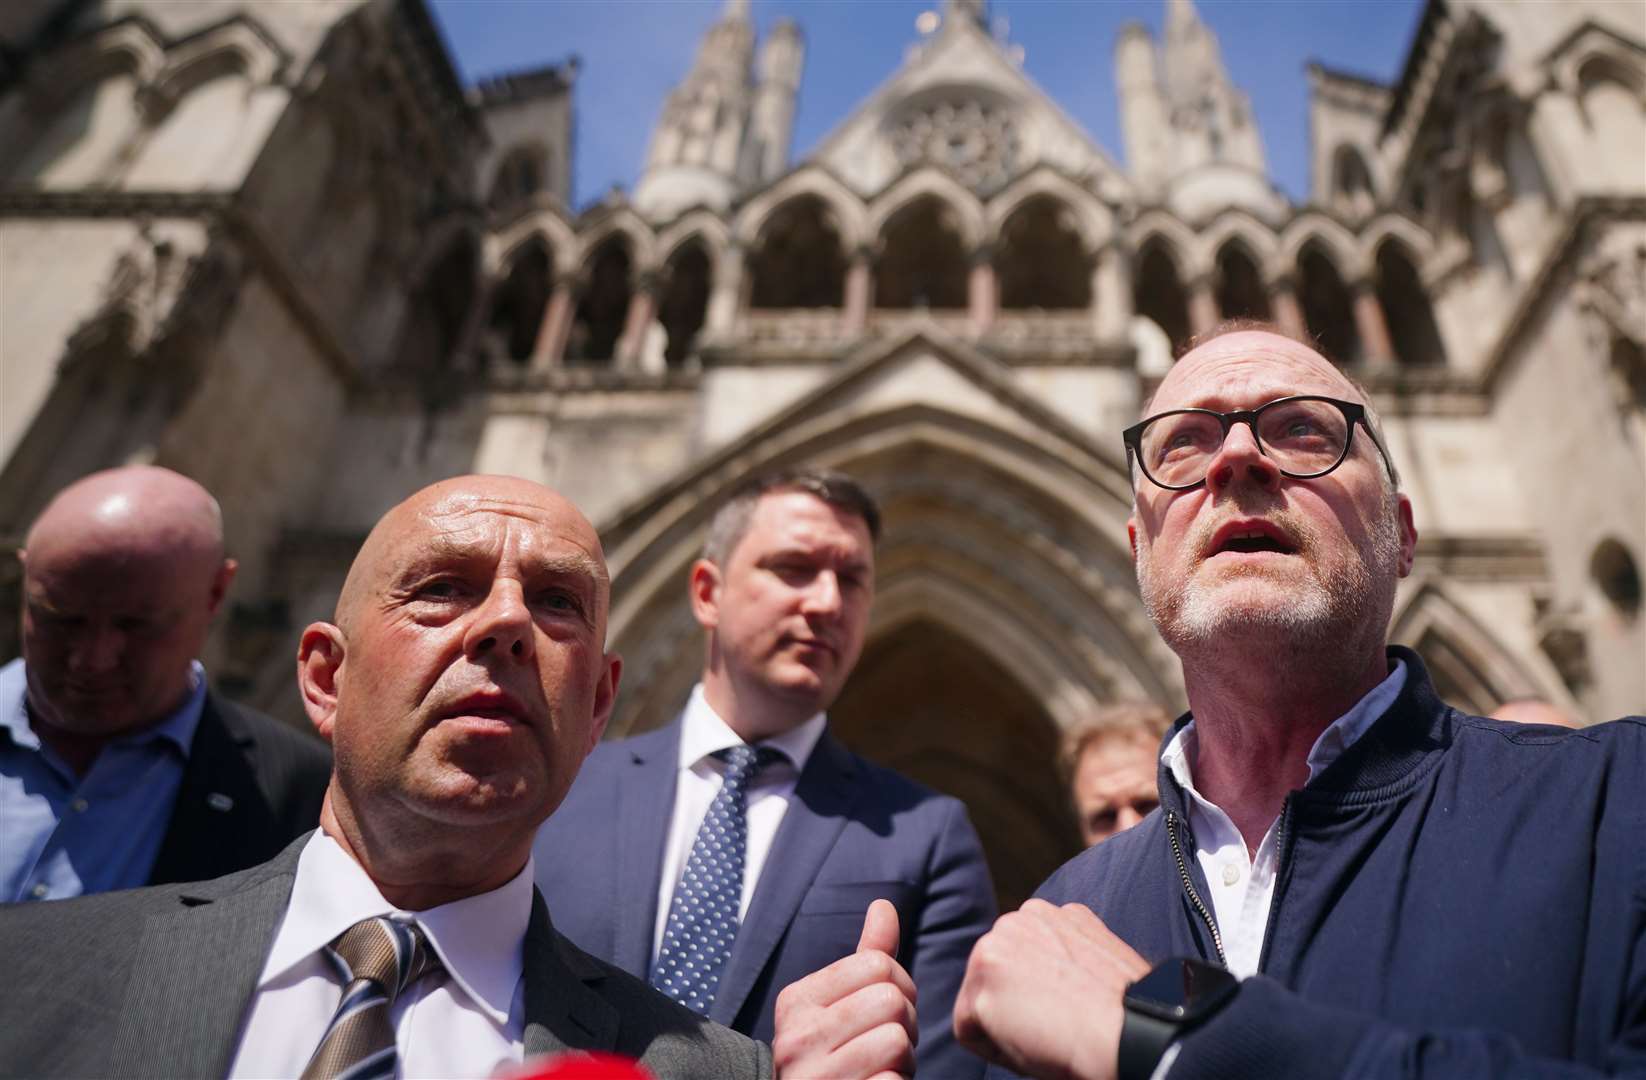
[{"x": 1303, "y": 438}]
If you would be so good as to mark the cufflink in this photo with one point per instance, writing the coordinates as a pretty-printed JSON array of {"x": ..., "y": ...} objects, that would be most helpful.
[{"x": 220, "y": 802}]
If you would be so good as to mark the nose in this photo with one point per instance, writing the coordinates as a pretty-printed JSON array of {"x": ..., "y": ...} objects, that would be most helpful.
[
  {"x": 1240, "y": 460},
  {"x": 823, "y": 595},
  {"x": 1126, "y": 817},
  {"x": 98, "y": 650},
  {"x": 502, "y": 625}
]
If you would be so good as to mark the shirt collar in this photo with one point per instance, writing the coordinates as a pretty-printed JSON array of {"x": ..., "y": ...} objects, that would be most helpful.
[
  {"x": 703, "y": 732},
  {"x": 480, "y": 939},
  {"x": 177, "y": 727},
  {"x": 1328, "y": 747}
]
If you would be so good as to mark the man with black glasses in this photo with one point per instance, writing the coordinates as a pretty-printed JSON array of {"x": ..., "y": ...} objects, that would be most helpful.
[{"x": 1346, "y": 877}]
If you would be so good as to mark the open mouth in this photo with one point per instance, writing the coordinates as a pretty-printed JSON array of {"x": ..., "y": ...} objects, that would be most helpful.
[{"x": 1252, "y": 540}]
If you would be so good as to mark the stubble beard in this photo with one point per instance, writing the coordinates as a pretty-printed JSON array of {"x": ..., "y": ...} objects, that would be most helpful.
[{"x": 1328, "y": 608}]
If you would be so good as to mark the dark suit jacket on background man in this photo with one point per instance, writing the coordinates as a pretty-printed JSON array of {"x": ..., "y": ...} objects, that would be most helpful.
[
  {"x": 853, "y": 831},
  {"x": 251, "y": 786}
]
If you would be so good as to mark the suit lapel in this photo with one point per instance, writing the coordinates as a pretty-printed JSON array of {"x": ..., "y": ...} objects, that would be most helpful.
[
  {"x": 817, "y": 812},
  {"x": 217, "y": 804},
  {"x": 562, "y": 1011},
  {"x": 645, "y": 799},
  {"x": 196, "y": 967}
]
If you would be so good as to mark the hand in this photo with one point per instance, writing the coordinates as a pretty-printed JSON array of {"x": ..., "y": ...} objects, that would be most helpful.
[
  {"x": 854, "y": 1018},
  {"x": 1044, "y": 992}
]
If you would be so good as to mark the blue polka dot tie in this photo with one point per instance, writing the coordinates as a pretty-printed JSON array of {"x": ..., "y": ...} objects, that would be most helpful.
[{"x": 697, "y": 939}]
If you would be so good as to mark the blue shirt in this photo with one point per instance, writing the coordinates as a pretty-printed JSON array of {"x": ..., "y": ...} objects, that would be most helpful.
[{"x": 63, "y": 835}]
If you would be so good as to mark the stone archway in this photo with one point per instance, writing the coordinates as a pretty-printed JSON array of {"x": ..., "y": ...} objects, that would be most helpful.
[{"x": 936, "y": 708}]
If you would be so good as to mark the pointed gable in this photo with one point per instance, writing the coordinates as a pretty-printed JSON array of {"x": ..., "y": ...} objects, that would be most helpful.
[{"x": 961, "y": 103}]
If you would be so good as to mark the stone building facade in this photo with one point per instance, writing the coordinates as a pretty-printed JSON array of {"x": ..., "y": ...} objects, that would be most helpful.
[{"x": 280, "y": 248}]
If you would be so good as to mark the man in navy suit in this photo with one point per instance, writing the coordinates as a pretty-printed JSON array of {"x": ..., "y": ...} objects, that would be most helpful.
[{"x": 783, "y": 592}]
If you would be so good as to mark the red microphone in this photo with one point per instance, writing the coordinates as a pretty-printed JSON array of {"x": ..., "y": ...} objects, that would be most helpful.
[{"x": 582, "y": 1065}]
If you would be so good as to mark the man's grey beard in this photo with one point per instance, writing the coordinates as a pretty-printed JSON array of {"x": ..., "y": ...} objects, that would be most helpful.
[{"x": 1331, "y": 608}]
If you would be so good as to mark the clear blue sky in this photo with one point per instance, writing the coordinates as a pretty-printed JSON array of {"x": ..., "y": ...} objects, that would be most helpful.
[{"x": 634, "y": 51}]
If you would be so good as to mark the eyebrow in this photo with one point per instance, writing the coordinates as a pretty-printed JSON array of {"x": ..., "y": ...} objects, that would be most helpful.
[{"x": 441, "y": 549}]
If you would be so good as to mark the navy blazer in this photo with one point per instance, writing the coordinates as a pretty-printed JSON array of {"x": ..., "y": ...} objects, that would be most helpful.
[{"x": 853, "y": 831}]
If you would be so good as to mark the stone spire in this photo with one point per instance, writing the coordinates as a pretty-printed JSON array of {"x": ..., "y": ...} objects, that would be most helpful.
[
  {"x": 697, "y": 147},
  {"x": 975, "y": 10},
  {"x": 1212, "y": 121},
  {"x": 771, "y": 126}
]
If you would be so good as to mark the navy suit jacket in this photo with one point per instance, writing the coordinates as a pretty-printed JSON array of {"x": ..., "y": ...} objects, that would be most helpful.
[{"x": 853, "y": 831}]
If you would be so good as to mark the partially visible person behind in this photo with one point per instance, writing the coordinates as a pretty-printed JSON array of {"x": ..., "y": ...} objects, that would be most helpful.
[
  {"x": 1110, "y": 762},
  {"x": 118, "y": 766},
  {"x": 1534, "y": 711}
]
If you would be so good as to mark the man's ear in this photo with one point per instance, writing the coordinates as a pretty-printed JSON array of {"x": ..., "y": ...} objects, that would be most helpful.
[
  {"x": 319, "y": 670},
  {"x": 1408, "y": 533},
  {"x": 704, "y": 585},
  {"x": 1131, "y": 535},
  {"x": 220, "y": 584},
  {"x": 605, "y": 697}
]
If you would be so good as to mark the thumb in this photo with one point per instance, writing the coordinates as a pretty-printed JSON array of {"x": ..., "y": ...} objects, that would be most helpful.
[{"x": 879, "y": 929}]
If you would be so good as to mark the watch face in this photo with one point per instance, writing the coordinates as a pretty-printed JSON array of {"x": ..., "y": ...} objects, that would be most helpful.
[{"x": 1181, "y": 990}]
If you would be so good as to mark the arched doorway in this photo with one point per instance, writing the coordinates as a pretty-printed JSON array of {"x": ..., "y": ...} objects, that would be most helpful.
[{"x": 931, "y": 705}]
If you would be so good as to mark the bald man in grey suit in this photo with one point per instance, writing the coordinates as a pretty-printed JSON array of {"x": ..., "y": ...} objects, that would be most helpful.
[{"x": 461, "y": 685}]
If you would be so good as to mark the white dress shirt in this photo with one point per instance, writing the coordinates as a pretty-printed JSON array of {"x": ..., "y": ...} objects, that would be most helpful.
[
  {"x": 702, "y": 732},
  {"x": 467, "y": 1022},
  {"x": 1243, "y": 886}
]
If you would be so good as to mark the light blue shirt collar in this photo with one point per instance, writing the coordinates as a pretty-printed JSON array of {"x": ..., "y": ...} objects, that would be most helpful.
[{"x": 177, "y": 727}]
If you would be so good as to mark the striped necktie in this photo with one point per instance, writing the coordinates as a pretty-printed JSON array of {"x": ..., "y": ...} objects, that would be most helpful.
[
  {"x": 697, "y": 939},
  {"x": 378, "y": 958}
]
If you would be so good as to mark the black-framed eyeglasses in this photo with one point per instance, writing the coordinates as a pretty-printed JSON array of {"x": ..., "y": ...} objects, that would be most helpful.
[{"x": 1305, "y": 436}]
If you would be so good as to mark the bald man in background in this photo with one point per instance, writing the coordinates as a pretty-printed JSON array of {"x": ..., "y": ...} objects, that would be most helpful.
[{"x": 118, "y": 766}]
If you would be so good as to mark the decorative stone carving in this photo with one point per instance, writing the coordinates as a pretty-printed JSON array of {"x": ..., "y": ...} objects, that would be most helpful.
[{"x": 978, "y": 142}]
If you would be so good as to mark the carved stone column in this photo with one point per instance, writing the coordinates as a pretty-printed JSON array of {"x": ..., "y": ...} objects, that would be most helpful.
[
  {"x": 1287, "y": 310},
  {"x": 726, "y": 295},
  {"x": 1376, "y": 348},
  {"x": 642, "y": 310},
  {"x": 1112, "y": 293},
  {"x": 982, "y": 291},
  {"x": 550, "y": 347},
  {"x": 1203, "y": 313},
  {"x": 854, "y": 317}
]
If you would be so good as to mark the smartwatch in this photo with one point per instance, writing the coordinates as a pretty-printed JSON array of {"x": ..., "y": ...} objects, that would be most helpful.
[{"x": 1165, "y": 1005}]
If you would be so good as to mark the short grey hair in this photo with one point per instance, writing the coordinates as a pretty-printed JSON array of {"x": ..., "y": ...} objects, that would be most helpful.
[{"x": 731, "y": 522}]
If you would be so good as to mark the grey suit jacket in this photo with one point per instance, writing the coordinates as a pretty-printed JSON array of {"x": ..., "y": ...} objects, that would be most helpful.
[{"x": 156, "y": 982}]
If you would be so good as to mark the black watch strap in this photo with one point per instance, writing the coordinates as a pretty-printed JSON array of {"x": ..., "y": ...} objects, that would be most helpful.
[{"x": 1143, "y": 1042}]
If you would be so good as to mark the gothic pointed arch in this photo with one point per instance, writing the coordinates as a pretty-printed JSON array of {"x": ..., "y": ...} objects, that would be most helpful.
[
  {"x": 542, "y": 226},
  {"x": 845, "y": 211},
  {"x": 1313, "y": 228},
  {"x": 1158, "y": 293},
  {"x": 924, "y": 186},
  {"x": 700, "y": 226},
  {"x": 683, "y": 300},
  {"x": 607, "y": 288},
  {"x": 1087, "y": 214},
  {"x": 1237, "y": 282},
  {"x": 1327, "y": 303},
  {"x": 798, "y": 259},
  {"x": 1041, "y": 258},
  {"x": 608, "y": 222},
  {"x": 1406, "y": 308},
  {"x": 520, "y": 298},
  {"x": 924, "y": 259},
  {"x": 1471, "y": 668}
]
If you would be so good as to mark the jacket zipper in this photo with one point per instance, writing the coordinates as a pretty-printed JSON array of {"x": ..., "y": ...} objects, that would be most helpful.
[
  {"x": 1188, "y": 886},
  {"x": 1282, "y": 857}
]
